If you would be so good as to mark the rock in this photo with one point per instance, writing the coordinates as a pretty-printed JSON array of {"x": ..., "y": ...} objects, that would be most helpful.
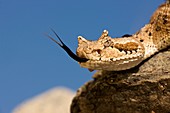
[
  {"x": 143, "y": 89},
  {"x": 56, "y": 100}
]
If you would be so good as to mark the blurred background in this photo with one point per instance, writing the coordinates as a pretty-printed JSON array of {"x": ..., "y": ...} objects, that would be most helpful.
[{"x": 30, "y": 63}]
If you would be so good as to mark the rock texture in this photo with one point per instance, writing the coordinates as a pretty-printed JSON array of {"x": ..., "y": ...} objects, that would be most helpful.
[
  {"x": 143, "y": 89},
  {"x": 56, "y": 100}
]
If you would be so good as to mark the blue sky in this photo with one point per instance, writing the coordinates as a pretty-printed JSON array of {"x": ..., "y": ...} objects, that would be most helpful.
[{"x": 30, "y": 63}]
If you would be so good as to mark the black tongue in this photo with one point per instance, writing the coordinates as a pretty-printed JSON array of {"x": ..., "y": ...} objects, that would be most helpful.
[
  {"x": 69, "y": 52},
  {"x": 72, "y": 55}
]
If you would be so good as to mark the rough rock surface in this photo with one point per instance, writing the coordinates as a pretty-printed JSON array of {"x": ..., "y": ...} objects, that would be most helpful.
[
  {"x": 56, "y": 100},
  {"x": 143, "y": 89}
]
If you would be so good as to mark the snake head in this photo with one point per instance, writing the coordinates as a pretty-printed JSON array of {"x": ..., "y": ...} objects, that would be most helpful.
[
  {"x": 111, "y": 54},
  {"x": 105, "y": 53}
]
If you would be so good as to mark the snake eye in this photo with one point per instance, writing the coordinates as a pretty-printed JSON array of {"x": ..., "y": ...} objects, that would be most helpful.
[{"x": 69, "y": 52}]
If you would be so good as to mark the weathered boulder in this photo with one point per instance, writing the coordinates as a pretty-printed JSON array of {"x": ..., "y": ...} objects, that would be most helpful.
[{"x": 143, "y": 89}]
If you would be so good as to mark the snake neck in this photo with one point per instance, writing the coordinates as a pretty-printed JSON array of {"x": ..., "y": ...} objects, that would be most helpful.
[
  {"x": 160, "y": 26},
  {"x": 155, "y": 35}
]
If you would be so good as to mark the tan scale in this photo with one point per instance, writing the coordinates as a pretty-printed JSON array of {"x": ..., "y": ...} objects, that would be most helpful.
[{"x": 115, "y": 54}]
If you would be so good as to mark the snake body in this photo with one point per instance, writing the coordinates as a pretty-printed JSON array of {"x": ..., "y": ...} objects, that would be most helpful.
[{"x": 115, "y": 54}]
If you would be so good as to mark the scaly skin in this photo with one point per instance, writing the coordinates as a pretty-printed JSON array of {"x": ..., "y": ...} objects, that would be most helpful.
[
  {"x": 110, "y": 54},
  {"x": 115, "y": 54}
]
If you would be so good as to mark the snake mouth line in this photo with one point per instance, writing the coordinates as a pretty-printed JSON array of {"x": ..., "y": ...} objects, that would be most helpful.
[{"x": 67, "y": 49}]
